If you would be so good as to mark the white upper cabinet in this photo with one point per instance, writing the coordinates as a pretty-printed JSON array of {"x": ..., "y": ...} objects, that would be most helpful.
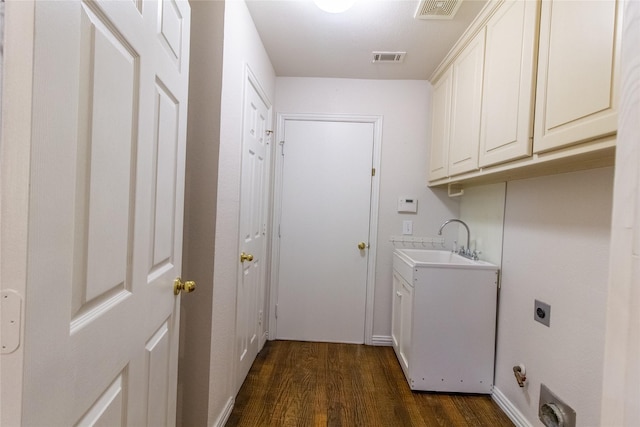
[
  {"x": 440, "y": 127},
  {"x": 509, "y": 83},
  {"x": 466, "y": 107},
  {"x": 576, "y": 98},
  {"x": 529, "y": 89}
]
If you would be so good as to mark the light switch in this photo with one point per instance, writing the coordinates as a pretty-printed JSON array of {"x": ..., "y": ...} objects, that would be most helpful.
[{"x": 407, "y": 227}]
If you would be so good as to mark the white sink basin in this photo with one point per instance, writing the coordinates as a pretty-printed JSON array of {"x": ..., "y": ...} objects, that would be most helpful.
[{"x": 434, "y": 258}]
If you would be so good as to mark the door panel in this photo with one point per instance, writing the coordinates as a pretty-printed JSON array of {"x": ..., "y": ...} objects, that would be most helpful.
[
  {"x": 108, "y": 410},
  {"x": 166, "y": 149},
  {"x": 105, "y": 224},
  {"x": 326, "y": 204},
  {"x": 105, "y": 169},
  {"x": 157, "y": 359}
]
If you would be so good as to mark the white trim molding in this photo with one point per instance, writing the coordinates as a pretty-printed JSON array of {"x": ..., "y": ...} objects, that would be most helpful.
[
  {"x": 509, "y": 408},
  {"x": 226, "y": 413},
  {"x": 381, "y": 340}
]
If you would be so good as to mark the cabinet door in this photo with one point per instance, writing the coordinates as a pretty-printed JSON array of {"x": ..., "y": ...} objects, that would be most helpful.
[
  {"x": 576, "y": 98},
  {"x": 406, "y": 325},
  {"x": 465, "y": 107},
  {"x": 396, "y": 319},
  {"x": 440, "y": 127},
  {"x": 509, "y": 83}
]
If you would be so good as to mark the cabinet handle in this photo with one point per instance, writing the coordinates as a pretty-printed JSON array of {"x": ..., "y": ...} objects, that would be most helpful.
[{"x": 398, "y": 293}]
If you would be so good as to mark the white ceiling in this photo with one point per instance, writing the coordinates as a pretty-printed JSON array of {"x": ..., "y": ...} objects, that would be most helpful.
[{"x": 304, "y": 41}]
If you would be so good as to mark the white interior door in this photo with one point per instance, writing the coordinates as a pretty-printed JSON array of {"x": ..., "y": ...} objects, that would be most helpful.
[
  {"x": 105, "y": 221},
  {"x": 325, "y": 214},
  {"x": 253, "y": 228}
]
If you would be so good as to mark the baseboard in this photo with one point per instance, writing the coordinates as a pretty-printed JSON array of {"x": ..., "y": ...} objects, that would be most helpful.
[
  {"x": 509, "y": 408},
  {"x": 226, "y": 413},
  {"x": 382, "y": 340}
]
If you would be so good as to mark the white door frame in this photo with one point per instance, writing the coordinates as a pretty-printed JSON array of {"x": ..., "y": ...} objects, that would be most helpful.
[
  {"x": 373, "y": 214},
  {"x": 15, "y": 165}
]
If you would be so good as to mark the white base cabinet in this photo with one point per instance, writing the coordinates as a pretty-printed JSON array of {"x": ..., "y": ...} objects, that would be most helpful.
[{"x": 443, "y": 327}]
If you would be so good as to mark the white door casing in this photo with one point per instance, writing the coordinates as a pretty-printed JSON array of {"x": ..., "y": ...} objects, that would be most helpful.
[
  {"x": 250, "y": 322},
  {"x": 326, "y": 203},
  {"x": 105, "y": 212}
]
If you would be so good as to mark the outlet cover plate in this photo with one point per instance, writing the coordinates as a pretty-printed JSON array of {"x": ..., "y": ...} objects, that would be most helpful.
[{"x": 542, "y": 313}]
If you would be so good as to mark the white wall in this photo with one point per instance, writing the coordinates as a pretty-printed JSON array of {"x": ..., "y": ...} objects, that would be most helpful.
[
  {"x": 405, "y": 107},
  {"x": 556, "y": 247},
  {"x": 482, "y": 209},
  {"x": 242, "y": 47},
  {"x": 203, "y": 141}
]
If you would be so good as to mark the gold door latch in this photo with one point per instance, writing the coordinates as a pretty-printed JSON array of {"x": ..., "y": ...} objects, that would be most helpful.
[
  {"x": 188, "y": 286},
  {"x": 245, "y": 257},
  {"x": 362, "y": 245}
]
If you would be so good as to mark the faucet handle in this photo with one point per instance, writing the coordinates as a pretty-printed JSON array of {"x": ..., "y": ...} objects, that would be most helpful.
[{"x": 476, "y": 255}]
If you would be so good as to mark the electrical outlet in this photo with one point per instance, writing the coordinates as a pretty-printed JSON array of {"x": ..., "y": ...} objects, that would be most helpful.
[{"x": 542, "y": 313}]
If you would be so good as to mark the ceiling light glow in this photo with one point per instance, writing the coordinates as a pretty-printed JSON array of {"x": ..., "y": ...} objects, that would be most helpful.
[{"x": 334, "y": 6}]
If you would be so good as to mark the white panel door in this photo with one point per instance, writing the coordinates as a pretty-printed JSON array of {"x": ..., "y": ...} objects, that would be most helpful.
[
  {"x": 253, "y": 228},
  {"x": 325, "y": 213},
  {"x": 106, "y": 203}
]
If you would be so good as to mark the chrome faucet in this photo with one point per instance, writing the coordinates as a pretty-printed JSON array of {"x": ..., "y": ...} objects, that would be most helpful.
[{"x": 464, "y": 252}]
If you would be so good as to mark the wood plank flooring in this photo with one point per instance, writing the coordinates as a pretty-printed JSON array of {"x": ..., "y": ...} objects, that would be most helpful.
[{"x": 344, "y": 385}]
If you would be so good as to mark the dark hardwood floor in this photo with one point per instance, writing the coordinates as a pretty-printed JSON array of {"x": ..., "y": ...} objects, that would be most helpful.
[{"x": 320, "y": 384}]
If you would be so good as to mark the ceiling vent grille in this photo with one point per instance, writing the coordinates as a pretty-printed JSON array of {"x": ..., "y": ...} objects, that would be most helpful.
[
  {"x": 395, "y": 57},
  {"x": 437, "y": 9}
]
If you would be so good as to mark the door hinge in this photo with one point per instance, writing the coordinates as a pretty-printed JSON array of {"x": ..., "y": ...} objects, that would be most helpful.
[
  {"x": 373, "y": 171},
  {"x": 276, "y": 311}
]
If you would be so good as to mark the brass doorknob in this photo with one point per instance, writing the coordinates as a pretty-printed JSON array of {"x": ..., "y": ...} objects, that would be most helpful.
[
  {"x": 362, "y": 245},
  {"x": 245, "y": 257},
  {"x": 179, "y": 285}
]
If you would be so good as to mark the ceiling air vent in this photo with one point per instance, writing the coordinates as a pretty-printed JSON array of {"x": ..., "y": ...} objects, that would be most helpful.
[
  {"x": 396, "y": 57},
  {"x": 437, "y": 9}
]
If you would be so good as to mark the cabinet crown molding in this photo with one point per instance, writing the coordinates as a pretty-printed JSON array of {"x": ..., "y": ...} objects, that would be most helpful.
[{"x": 476, "y": 25}]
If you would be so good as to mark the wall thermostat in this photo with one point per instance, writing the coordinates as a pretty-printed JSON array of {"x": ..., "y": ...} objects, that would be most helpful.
[{"x": 408, "y": 204}]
